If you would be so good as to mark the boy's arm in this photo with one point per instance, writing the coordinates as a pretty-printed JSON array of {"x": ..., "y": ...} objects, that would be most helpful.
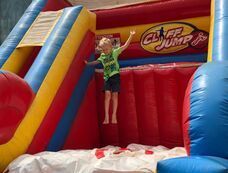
[
  {"x": 125, "y": 46},
  {"x": 92, "y": 62}
]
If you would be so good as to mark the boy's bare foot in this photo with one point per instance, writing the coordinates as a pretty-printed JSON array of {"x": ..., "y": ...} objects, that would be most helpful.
[
  {"x": 114, "y": 120},
  {"x": 105, "y": 121}
]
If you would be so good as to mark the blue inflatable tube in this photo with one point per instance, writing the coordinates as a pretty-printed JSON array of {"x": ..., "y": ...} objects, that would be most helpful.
[
  {"x": 18, "y": 32},
  {"x": 194, "y": 164},
  {"x": 46, "y": 57},
  {"x": 220, "y": 34}
]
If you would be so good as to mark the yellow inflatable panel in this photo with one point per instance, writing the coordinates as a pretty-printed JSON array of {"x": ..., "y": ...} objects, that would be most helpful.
[
  {"x": 140, "y": 29},
  {"x": 17, "y": 59},
  {"x": 210, "y": 44}
]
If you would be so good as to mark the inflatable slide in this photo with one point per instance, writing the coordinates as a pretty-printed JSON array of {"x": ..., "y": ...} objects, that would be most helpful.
[{"x": 173, "y": 87}]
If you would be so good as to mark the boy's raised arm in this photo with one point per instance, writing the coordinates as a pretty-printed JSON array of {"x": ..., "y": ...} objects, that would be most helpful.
[{"x": 125, "y": 46}]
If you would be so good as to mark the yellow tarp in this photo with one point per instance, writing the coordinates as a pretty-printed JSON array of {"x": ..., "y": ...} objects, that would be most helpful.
[
  {"x": 106, "y": 4},
  {"x": 40, "y": 29}
]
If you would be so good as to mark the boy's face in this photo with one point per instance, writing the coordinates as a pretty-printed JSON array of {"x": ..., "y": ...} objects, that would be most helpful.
[{"x": 106, "y": 49}]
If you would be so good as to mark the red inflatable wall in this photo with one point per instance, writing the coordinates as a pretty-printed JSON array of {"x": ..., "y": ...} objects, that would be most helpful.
[
  {"x": 152, "y": 12},
  {"x": 150, "y": 105},
  {"x": 54, "y": 5},
  {"x": 84, "y": 133}
]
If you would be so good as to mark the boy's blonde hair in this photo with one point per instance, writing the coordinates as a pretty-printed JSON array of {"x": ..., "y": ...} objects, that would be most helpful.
[{"x": 103, "y": 42}]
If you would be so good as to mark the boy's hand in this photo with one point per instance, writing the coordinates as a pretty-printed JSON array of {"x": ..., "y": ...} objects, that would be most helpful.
[
  {"x": 132, "y": 32},
  {"x": 86, "y": 62}
]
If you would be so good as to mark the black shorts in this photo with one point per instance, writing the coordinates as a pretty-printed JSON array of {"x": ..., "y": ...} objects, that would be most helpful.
[{"x": 113, "y": 83}]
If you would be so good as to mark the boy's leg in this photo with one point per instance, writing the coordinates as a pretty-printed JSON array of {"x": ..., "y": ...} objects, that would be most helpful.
[
  {"x": 115, "y": 105},
  {"x": 115, "y": 87},
  {"x": 106, "y": 105}
]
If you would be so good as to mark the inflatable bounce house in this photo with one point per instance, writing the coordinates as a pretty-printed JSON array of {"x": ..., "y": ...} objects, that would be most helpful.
[{"x": 174, "y": 81}]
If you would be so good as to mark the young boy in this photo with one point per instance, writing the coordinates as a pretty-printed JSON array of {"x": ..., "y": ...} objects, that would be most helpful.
[{"x": 109, "y": 60}]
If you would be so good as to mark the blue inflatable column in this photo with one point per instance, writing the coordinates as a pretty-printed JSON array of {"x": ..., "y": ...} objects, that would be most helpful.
[
  {"x": 220, "y": 33},
  {"x": 206, "y": 115}
]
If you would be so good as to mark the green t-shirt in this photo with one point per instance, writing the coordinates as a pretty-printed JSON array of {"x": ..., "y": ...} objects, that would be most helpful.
[{"x": 110, "y": 63}]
